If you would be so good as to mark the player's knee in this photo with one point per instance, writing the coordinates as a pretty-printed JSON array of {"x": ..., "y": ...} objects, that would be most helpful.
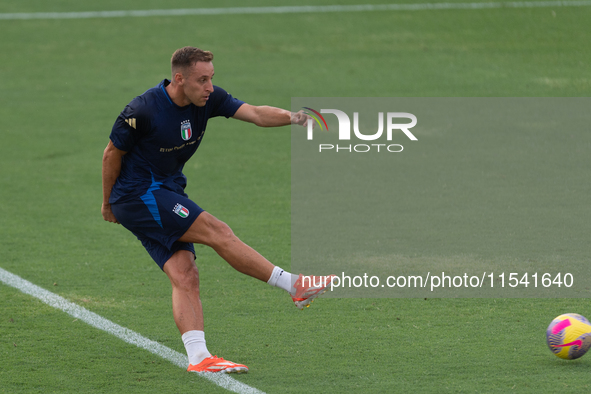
[
  {"x": 210, "y": 231},
  {"x": 187, "y": 280},
  {"x": 183, "y": 276},
  {"x": 222, "y": 233}
]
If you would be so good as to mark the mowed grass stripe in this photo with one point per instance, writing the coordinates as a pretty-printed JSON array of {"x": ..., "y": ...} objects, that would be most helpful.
[
  {"x": 120, "y": 332},
  {"x": 291, "y": 9}
]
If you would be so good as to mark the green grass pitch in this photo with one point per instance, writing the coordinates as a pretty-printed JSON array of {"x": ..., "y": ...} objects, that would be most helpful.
[{"x": 65, "y": 81}]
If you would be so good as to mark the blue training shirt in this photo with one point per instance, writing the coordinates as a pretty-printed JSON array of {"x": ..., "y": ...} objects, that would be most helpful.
[{"x": 159, "y": 137}]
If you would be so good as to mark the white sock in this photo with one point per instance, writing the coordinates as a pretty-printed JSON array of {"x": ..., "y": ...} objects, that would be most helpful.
[
  {"x": 282, "y": 279},
  {"x": 195, "y": 345}
]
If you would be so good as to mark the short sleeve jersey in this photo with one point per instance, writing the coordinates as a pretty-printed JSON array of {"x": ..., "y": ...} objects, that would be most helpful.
[{"x": 159, "y": 137}]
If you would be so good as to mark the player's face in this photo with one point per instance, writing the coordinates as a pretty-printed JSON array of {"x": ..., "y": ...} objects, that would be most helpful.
[{"x": 197, "y": 84}]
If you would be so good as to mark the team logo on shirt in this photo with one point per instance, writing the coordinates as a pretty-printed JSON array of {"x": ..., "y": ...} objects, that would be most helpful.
[
  {"x": 181, "y": 211},
  {"x": 186, "y": 132}
]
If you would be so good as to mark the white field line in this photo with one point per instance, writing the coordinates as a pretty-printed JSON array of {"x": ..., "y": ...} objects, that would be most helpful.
[
  {"x": 125, "y": 334},
  {"x": 291, "y": 9}
]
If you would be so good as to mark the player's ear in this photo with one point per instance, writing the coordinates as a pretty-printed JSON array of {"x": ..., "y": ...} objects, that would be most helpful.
[{"x": 178, "y": 77}]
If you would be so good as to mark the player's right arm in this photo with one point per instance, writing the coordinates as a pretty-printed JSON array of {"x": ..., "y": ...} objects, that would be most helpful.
[{"x": 111, "y": 170}]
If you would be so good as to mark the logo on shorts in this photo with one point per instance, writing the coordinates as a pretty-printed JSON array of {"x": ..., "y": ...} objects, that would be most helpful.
[
  {"x": 181, "y": 211},
  {"x": 186, "y": 132}
]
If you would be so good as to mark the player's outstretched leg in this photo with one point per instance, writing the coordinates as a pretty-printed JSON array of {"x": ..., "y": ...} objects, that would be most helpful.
[{"x": 212, "y": 232}]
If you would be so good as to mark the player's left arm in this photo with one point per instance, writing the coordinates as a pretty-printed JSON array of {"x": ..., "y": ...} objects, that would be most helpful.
[{"x": 266, "y": 116}]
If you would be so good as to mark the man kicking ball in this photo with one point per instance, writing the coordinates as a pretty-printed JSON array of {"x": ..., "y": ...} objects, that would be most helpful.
[{"x": 143, "y": 189}]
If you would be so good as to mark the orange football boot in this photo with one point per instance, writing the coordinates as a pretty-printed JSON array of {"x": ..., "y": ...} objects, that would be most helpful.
[
  {"x": 310, "y": 287},
  {"x": 218, "y": 364}
]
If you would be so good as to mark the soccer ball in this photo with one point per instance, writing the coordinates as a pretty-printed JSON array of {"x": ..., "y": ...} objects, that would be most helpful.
[{"x": 569, "y": 336}]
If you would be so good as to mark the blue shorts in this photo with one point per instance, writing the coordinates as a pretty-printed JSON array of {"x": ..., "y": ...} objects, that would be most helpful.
[{"x": 158, "y": 219}]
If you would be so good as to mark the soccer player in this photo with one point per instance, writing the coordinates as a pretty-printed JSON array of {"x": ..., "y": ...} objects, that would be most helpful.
[{"x": 143, "y": 189}]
